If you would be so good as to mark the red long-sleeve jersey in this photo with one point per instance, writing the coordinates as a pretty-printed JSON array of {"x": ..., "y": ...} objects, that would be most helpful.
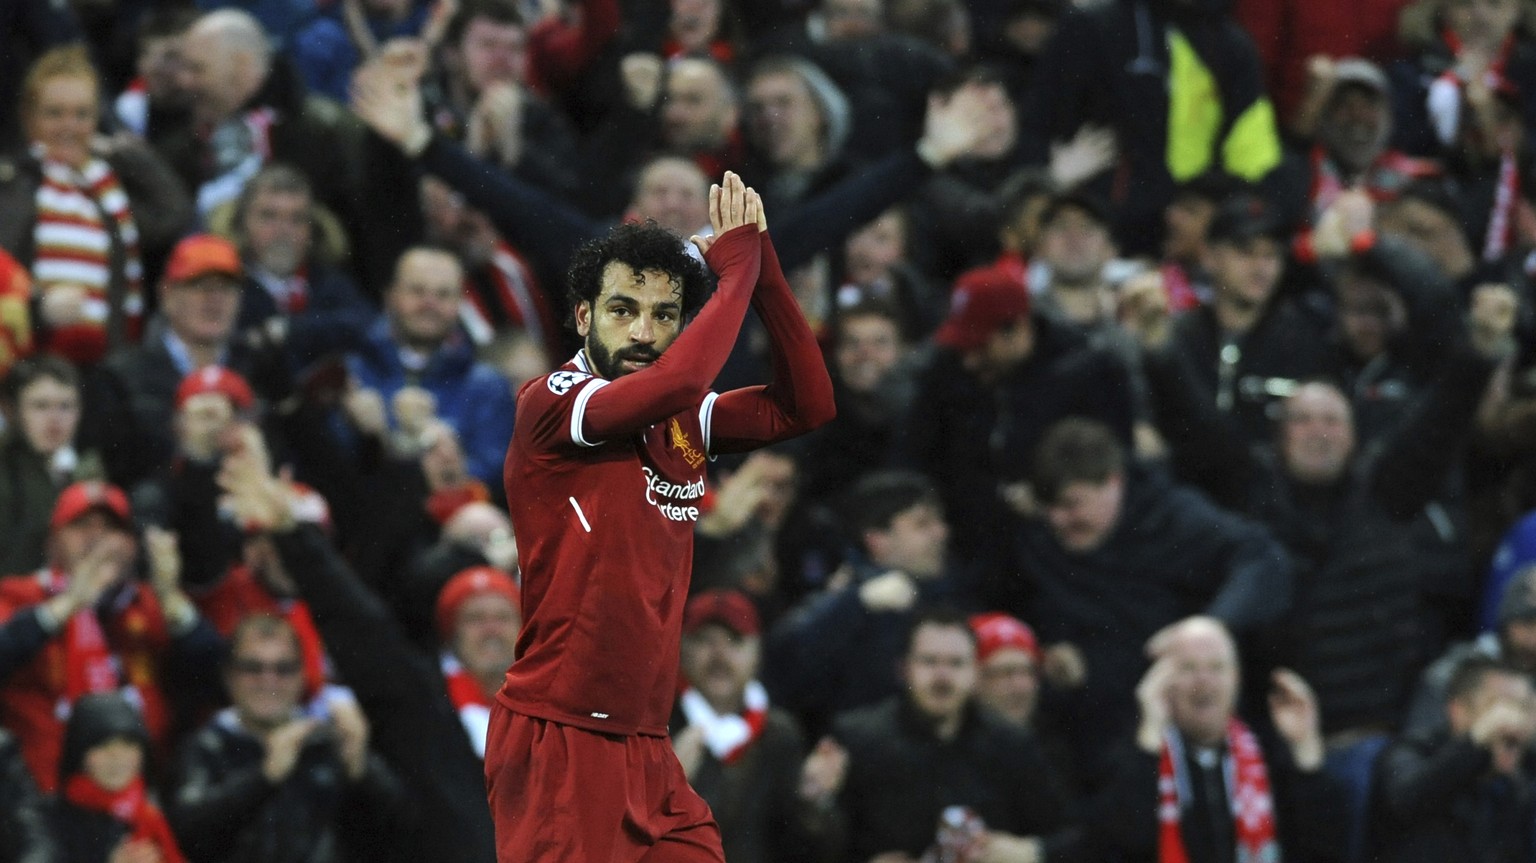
[{"x": 603, "y": 482}]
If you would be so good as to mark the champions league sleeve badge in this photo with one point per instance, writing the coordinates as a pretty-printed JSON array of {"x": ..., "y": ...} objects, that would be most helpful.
[{"x": 562, "y": 382}]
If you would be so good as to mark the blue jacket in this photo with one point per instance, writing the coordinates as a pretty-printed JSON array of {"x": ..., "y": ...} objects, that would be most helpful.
[
  {"x": 471, "y": 396},
  {"x": 326, "y": 56}
]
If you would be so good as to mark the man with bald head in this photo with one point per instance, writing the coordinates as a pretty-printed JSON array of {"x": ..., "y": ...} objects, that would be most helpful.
[
  {"x": 1362, "y": 623},
  {"x": 1200, "y": 784},
  {"x": 699, "y": 114},
  {"x": 249, "y": 107}
]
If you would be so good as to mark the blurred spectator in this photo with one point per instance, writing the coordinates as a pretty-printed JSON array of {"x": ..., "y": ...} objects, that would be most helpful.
[
  {"x": 891, "y": 770},
  {"x": 1462, "y": 790},
  {"x": 886, "y": 76},
  {"x": 40, "y": 398},
  {"x": 268, "y": 781},
  {"x": 1186, "y": 222},
  {"x": 415, "y": 724},
  {"x": 838, "y": 649},
  {"x": 1512, "y": 643},
  {"x": 1465, "y": 54},
  {"x": 1296, "y": 37},
  {"x": 1250, "y": 345},
  {"x": 417, "y": 360},
  {"x": 1112, "y": 556},
  {"x": 278, "y": 19},
  {"x": 872, "y": 372},
  {"x": 131, "y": 398},
  {"x": 478, "y": 619},
  {"x": 25, "y": 836},
  {"x": 330, "y": 46},
  {"x": 1008, "y": 659},
  {"x": 293, "y": 294},
  {"x": 83, "y": 213},
  {"x": 1075, "y": 248},
  {"x": 83, "y": 624},
  {"x": 1201, "y": 784},
  {"x": 248, "y": 107},
  {"x": 1130, "y": 67},
  {"x": 1022, "y": 200},
  {"x": 502, "y": 295},
  {"x": 1003, "y": 375},
  {"x": 740, "y": 753},
  {"x": 699, "y": 28},
  {"x": 154, "y": 96},
  {"x": 485, "y": 96},
  {"x": 797, "y": 123},
  {"x": 104, "y": 813},
  {"x": 1351, "y": 152},
  {"x": 1429, "y": 215},
  {"x": 878, "y": 264}
]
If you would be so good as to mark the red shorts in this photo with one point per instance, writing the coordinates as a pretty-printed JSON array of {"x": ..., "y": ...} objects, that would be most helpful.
[{"x": 561, "y": 793}]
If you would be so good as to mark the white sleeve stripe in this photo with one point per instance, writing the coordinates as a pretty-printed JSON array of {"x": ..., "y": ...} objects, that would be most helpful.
[
  {"x": 707, "y": 416},
  {"x": 579, "y": 411}
]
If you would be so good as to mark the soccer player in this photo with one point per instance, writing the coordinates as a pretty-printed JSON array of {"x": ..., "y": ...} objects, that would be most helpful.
[{"x": 604, "y": 478}]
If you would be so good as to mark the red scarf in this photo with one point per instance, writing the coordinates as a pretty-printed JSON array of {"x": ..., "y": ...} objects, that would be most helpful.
[
  {"x": 88, "y": 663},
  {"x": 1252, "y": 805},
  {"x": 471, "y": 701},
  {"x": 518, "y": 297},
  {"x": 1383, "y": 180},
  {"x": 131, "y": 806}
]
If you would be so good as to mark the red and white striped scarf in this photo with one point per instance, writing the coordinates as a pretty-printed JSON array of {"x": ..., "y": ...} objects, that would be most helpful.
[
  {"x": 1248, "y": 795},
  {"x": 77, "y": 213},
  {"x": 727, "y": 735}
]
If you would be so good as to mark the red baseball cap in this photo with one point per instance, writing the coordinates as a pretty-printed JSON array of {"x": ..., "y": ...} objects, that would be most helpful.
[
  {"x": 981, "y": 304},
  {"x": 219, "y": 380},
  {"x": 729, "y": 608},
  {"x": 201, "y": 255},
  {"x": 996, "y": 631},
  {"x": 83, "y": 497},
  {"x": 470, "y": 583}
]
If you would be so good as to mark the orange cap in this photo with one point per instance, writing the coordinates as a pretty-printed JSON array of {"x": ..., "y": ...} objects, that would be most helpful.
[{"x": 201, "y": 255}]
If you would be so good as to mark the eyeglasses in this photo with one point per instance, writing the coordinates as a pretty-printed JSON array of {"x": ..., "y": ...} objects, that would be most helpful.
[{"x": 254, "y": 667}]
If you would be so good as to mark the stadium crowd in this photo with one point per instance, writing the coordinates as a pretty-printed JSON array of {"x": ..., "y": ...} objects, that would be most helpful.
[{"x": 1180, "y": 505}]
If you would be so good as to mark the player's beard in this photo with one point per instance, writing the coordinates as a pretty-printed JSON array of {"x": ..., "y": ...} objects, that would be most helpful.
[{"x": 608, "y": 364}]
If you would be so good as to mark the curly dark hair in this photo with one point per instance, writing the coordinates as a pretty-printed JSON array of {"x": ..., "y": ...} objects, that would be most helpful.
[{"x": 645, "y": 246}]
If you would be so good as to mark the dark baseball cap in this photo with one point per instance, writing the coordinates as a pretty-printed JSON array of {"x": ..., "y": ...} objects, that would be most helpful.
[
  {"x": 1242, "y": 218},
  {"x": 1086, "y": 202}
]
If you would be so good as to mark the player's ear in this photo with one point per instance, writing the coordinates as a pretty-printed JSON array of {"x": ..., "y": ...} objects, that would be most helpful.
[{"x": 583, "y": 318}]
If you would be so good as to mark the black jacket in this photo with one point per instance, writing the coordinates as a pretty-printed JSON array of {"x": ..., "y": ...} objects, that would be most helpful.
[
  {"x": 1172, "y": 554},
  {"x": 971, "y": 437},
  {"x": 1357, "y": 628},
  {"x": 1435, "y": 800},
  {"x": 415, "y": 726},
  {"x": 901, "y": 777},
  {"x": 1309, "y": 813},
  {"x": 226, "y": 810},
  {"x": 24, "y": 829},
  {"x": 130, "y": 400}
]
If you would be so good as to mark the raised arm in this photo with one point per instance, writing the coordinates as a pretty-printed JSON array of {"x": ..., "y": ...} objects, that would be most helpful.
[
  {"x": 680, "y": 377},
  {"x": 800, "y": 396}
]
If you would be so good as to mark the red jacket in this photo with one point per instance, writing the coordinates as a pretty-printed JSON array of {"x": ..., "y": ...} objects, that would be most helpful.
[
  {"x": 35, "y": 700},
  {"x": 1287, "y": 32}
]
